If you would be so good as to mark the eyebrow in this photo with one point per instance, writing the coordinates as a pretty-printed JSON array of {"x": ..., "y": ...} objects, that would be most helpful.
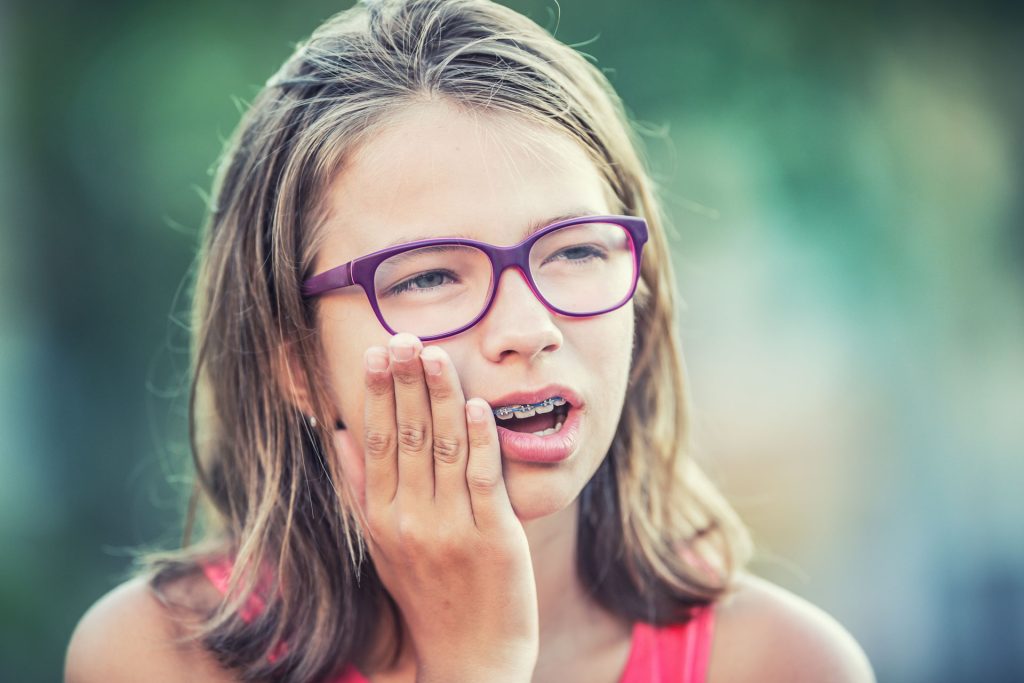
[
  {"x": 436, "y": 249},
  {"x": 532, "y": 228}
]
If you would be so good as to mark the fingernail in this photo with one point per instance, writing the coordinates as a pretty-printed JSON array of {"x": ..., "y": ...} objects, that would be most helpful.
[
  {"x": 402, "y": 352},
  {"x": 376, "y": 360},
  {"x": 475, "y": 412},
  {"x": 403, "y": 346},
  {"x": 431, "y": 358},
  {"x": 431, "y": 365}
]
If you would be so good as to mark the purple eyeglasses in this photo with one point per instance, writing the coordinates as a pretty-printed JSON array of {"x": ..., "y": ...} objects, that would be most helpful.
[{"x": 438, "y": 288}]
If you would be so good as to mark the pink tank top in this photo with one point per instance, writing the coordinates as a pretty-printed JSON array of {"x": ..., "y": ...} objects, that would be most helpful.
[{"x": 667, "y": 654}]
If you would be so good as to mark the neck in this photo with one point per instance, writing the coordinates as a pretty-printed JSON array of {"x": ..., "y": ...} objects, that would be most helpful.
[
  {"x": 565, "y": 611},
  {"x": 560, "y": 597}
]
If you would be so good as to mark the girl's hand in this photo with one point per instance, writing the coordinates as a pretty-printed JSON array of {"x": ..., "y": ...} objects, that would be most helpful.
[{"x": 442, "y": 532}]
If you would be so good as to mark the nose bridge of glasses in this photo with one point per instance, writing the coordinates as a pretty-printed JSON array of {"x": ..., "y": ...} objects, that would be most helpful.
[
  {"x": 504, "y": 258},
  {"x": 516, "y": 257}
]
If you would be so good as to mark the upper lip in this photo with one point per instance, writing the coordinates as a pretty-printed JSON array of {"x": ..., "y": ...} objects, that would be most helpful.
[{"x": 536, "y": 396}]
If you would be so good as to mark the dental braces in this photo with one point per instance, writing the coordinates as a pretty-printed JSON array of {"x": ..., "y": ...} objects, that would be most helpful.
[{"x": 529, "y": 409}]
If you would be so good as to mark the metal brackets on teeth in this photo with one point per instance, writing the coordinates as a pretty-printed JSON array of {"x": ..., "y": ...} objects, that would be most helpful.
[{"x": 529, "y": 409}]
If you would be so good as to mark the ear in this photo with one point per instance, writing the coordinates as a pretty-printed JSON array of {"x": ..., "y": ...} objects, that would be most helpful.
[{"x": 291, "y": 379}]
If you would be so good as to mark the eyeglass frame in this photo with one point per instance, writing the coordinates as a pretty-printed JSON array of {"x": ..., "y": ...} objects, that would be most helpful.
[{"x": 361, "y": 271}]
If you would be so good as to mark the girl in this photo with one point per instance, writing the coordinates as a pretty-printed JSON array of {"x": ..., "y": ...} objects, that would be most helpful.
[{"x": 438, "y": 411}]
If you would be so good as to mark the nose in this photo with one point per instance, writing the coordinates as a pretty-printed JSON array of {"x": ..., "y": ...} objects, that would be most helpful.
[{"x": 518, "y": 323}]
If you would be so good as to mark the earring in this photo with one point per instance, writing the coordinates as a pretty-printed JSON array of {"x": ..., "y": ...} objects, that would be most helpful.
[{"x": 312, "y": 422}]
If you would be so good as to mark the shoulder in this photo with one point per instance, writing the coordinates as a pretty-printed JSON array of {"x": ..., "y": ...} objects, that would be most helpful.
[
  {"x": 765, "y": 633},
  {"x": 131, "y": 635}
]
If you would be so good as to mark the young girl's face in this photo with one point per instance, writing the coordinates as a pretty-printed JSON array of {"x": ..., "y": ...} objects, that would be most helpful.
[{"x": 438, "y": 172}]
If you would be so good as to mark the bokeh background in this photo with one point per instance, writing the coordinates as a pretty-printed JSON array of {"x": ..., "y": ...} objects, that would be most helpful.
[{"x": 845, "y": 183}]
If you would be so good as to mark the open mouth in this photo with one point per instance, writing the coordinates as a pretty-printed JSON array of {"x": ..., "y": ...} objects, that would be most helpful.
[{"x": 539, "y": 419}]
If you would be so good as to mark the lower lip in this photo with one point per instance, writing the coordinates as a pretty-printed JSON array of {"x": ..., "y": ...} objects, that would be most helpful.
[{"x": 555, "y": 447}]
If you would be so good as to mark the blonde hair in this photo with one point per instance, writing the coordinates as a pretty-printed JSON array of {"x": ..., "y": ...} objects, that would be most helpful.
[{"x": 271, "y": 489}]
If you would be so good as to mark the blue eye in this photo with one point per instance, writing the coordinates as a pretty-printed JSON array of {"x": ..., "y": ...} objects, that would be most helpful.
[
  {"x": 578, "y": 254},
  {"x": 424, "y": 281}
]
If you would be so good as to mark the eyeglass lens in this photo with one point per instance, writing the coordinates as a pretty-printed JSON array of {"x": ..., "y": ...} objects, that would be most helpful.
[{"x": 582, "y": 269}]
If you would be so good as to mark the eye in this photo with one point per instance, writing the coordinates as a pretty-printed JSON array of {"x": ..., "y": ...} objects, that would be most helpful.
[
  {"x": 578, "y": 254},
  {"x": 431, "y": 279}
]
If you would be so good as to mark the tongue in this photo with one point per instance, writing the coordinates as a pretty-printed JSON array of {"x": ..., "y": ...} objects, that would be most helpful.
[{"x": 536, "y": 423}]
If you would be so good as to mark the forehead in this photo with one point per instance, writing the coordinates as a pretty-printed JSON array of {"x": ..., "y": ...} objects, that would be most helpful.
[{"x": 437, "y": 171}]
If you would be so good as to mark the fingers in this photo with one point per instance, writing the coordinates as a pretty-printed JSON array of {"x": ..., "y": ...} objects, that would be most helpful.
[
  {"x": 424, "y": 442},
  {"x": 414, "y": 434},
  {"x": 447, "y": 407},
  {"x": 488, "y": 498},
  {"x": 379, "y": 430}
]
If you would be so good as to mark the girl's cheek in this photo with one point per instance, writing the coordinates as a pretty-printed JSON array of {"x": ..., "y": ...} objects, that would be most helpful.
[{"x": 352, "y": 464}]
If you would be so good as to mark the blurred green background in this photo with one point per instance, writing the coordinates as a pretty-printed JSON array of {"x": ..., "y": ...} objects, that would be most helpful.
[{"x": 844, "y": 180}]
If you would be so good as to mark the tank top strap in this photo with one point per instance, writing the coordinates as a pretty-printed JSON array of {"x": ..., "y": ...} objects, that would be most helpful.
[
  {"x": 218, "y": 573},
  {"x": 678, "y": 653}
]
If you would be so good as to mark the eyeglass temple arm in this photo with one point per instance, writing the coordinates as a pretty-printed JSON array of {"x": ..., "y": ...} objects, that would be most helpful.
[{"x": 335, "y": 278}]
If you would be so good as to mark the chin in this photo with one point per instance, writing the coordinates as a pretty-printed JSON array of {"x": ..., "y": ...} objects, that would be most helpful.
[{"x": 539, "y": 492}]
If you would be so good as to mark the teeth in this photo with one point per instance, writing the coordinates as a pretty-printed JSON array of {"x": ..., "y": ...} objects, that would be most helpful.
[
  {"x": 529, "y": 410},
  {"x": 550, "y": 430}
]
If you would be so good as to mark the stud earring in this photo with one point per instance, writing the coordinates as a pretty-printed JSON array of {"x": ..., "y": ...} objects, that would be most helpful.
[{"x": 312, "y": 422}]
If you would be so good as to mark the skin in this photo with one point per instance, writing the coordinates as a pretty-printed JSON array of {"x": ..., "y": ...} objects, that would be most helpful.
[
  {"x": 497, "y": 523},
  {"x": 487, "y": 179},
  {"x": 505, "y": 529}
]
